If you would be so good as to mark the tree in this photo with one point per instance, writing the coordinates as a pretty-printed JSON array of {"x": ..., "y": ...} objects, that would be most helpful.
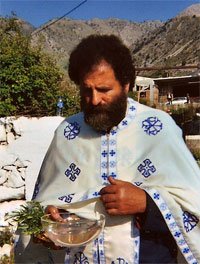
[{"x": 29, "y": 79}]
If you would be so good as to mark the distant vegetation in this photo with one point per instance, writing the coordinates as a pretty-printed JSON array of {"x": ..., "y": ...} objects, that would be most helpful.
[{"x": 30, "y": 80}]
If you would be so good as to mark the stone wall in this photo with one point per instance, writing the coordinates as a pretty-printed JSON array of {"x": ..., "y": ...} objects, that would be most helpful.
[{"x": 23, "y": 144}]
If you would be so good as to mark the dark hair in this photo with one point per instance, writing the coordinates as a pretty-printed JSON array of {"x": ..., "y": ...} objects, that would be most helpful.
[{"x": 95, "y": 48}]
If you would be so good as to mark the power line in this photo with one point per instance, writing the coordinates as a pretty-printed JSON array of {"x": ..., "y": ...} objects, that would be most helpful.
[{"x": 53, "y": 22}]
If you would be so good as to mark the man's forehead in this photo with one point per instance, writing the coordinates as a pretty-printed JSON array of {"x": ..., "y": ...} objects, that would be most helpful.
[
  {"x": 101, "y": 66},
  {"x": 99, "y": 71}
]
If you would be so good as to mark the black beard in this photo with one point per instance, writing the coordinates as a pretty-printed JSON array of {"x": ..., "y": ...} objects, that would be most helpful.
[{"x": 104, "y": 117}]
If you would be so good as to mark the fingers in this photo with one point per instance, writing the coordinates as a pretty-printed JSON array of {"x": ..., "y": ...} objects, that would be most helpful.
[
  {"x": 54, "y": 212},
  {"x": 110, "y": 203},
  {"x": 114, "y": 181},
  {"x": 108, "y": 189},
  {"x": 111, "y": 180},
  {"x": 113, "y": 186},
  {"x": 113, "y": 211},
  {"x": 112, "y": 208},
  {"x": 108, "y": 198}
]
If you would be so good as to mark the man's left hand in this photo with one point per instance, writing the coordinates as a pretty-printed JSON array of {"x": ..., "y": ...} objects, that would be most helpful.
[{"x": 123, "y": 198}]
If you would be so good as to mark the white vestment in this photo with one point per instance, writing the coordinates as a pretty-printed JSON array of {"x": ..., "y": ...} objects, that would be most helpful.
[{"x": 146, "y": 149}]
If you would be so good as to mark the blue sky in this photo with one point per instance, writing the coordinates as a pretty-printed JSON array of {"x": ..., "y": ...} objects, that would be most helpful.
[{"x": 38, "y": 12}]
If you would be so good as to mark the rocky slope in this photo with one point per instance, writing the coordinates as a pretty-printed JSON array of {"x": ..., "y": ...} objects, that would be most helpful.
[
  {"x": 172, "y": 43},
  {"x": 61, "y": 37}
]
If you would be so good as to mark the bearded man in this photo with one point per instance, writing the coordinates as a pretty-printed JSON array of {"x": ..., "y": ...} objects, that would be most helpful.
[{"x": 125, "y": 160}]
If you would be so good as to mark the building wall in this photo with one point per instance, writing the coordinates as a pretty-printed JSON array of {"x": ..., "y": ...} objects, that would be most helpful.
[{"x": 146, "y": 95}]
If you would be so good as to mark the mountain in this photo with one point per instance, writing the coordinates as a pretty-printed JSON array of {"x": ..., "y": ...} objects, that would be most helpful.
[
  {"x": 177, "y": 42},
  {"x": 61, "y": 37},
  {"x": 152, "y": 43},
  {"x": 193, "y": 10}
]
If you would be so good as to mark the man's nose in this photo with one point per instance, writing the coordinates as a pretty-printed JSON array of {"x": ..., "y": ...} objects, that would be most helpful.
[{"x": 96, "y": 98}]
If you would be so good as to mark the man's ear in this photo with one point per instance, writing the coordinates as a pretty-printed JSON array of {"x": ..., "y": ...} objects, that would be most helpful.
[{"x": 126, "y": 88}]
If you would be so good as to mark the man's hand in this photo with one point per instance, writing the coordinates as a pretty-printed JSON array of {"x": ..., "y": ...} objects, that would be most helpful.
[
  {"x": 123, "y": 198},
  {"x": 54, "y": 212}
]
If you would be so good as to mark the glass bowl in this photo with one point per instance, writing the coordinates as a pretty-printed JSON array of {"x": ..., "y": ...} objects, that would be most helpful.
[{"x": 74, "y": 230}]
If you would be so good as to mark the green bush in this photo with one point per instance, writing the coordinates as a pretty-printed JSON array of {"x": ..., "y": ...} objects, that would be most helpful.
[{"x": 29, "y": 79}]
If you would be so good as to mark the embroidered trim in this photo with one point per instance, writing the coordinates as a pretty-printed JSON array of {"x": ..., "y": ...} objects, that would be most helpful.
[
  {"x": 98, "y": 250},
  {"x": 136, "y": 241},
  {"x": 175, "y": 230},
  {"x": 109, "y": 144}
]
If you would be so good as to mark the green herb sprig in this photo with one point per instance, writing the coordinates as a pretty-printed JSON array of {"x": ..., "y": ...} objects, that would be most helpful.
[{"x": 29, "y": 218}]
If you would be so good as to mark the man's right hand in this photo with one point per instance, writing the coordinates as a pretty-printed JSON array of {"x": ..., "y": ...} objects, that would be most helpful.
[{"x": 54, "y": 212}]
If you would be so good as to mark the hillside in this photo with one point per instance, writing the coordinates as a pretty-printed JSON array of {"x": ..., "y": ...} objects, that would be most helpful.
[
  {"x": 177, "y": 42},
  {"x": 152, "y": 43},
  {"x": 60, "y": 38}
]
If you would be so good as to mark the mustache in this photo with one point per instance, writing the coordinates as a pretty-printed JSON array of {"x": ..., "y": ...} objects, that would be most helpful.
[
  {"x": 98, "y": 109},
  {"x": 103, "y": 117}
]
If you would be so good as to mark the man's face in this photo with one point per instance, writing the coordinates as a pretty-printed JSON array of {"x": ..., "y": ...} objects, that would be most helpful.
[{"x": 103, "y": 100}]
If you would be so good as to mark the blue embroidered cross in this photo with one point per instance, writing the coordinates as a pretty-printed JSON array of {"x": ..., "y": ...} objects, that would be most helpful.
[
  {"x": 104, "y": 176},
  {"x": 95, "y": 253},
  {"x": 152, "y": 125},
  {"x": 132, "y": 108},
  {"x": 104, "y": 153},
  {"x": 156, "y": 196},
  {"x": 186, "y": 250},
  {"x": 189, "y": 220},
  {"x": 177, "y": 234},
  {"x": 168, "y": 216},
  {"x": 113, "y": 132},
  {"x": 101, "y": 241},
  {"x": 146, "y": 168},
  {"x": 113, "y": 175},
  {"x": 112, "y": 153},
  {"x": 124, "y": 123},
  {"x": 95, "y": 194},
  {"x": 72, "y": 130},
  {"x": 72, "y": 172}
]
